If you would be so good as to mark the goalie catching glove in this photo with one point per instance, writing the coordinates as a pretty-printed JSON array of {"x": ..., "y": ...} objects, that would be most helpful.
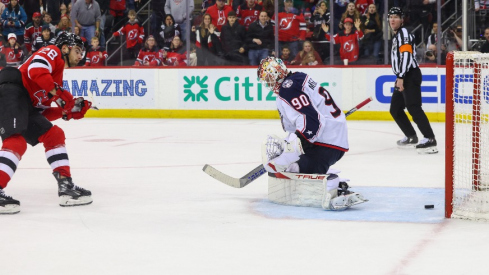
[
  {"x": 279, "y": 155},
  {"x": 75, "y": 108}
]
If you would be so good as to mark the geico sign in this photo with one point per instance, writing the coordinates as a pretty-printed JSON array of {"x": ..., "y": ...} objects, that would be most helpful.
[{"x": 429, "y": 88}]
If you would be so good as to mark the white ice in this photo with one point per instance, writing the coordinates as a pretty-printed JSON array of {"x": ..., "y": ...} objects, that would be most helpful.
[{"x": 156, "y": 212}]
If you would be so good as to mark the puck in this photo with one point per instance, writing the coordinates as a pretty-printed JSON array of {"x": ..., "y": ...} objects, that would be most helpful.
[{"x": 429, "y": 206}]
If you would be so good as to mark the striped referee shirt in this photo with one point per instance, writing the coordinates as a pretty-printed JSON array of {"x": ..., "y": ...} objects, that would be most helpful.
[{"x": 403, "y": 54}]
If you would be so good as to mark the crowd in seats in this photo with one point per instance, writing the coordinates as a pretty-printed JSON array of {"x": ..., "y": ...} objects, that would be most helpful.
[{"x": 223, "y": 32}]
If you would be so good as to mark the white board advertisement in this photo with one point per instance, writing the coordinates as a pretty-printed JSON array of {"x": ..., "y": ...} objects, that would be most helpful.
[{"x": 113, "y": 88}]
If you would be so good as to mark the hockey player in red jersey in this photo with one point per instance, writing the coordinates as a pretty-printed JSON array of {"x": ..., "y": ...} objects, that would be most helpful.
[
  {"x": 348, "y": 39},
  {"x": 317, "y": 135},
  {"x": 97, "y": 55},
  {"x": 26, "y": 96}
]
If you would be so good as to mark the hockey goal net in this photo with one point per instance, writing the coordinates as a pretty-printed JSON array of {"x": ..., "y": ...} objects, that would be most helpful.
[{"x": 467, "y": 136}]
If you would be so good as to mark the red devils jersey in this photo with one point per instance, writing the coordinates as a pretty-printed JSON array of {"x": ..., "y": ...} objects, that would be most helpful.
[
  {"x": 96, "y": 58},
  {"x": 39, "y": 73},
  {"x": 134, "y": 33},
  {"x": 362, "y": 5},
  {"x": 12, "y": 56},
  {"x": 175, "y": 59},
  {"x": 117, "y": 7},
  {"x": 246, "y": 15},
  {"x": 219, "y": 17},
  {"x": 30, "y": 35},
  {"x": 151, "y": 56},
  {"x": 349, "y": 44},
  {"x": 291, "y": 27}
]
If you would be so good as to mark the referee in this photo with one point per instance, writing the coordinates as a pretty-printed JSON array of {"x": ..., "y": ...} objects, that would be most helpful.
[{"x": 407, "y": 91}]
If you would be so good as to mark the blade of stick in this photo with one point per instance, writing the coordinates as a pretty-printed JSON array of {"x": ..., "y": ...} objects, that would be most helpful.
[{"x": 235, "y": 182}]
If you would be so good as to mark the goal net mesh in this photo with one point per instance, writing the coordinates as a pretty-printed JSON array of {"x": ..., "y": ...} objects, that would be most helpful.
[{"x": 470, "y": 135}]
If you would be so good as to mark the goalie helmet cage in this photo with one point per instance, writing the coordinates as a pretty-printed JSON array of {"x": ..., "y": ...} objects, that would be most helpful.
[{"x": 467, "y": 136}]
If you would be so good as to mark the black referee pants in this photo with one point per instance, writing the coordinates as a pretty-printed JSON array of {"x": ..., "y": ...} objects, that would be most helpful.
[{"x": 410, "y": 98}]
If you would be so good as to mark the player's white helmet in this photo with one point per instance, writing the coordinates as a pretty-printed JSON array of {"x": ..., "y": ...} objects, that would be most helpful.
[{"x": 272, "y": 72}]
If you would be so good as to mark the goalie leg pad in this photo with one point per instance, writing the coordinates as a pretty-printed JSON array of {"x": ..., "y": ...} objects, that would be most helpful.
[{"x": 330, "y": 191}]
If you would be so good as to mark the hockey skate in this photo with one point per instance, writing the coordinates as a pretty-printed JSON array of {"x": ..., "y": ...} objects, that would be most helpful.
[
  {"x": 407, "y": 142},
  {"x": 70, "y": 194},
  {"x": 340, "y": 198},
  {"x": 427, "y": 146},
  {"x": 8, "y": 205}
]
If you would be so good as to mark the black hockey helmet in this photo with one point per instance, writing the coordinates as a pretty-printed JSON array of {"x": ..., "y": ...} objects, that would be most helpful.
[
  {"x": 395, "y": 11},
  {"x": 70, "y": 39}
]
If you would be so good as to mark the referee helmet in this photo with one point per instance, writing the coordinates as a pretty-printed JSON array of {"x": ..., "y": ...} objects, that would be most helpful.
[{"x": 395, "y": 11}]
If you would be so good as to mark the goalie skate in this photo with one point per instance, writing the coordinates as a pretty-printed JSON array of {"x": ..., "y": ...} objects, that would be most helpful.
[
  {"x": 8, "y": 205},
  {"x": 70, "y": 194}
]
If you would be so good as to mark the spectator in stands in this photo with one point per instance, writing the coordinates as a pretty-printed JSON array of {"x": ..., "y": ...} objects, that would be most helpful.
[
  {"x": 320, "y": 16},
  {"x": 285, "y": 56},
  {"x": 47, "y": 20},
  {"x": 206, "y": 41},
  {"x": 351, "y": 12},
  {"x": 30, "y": 7},
  {"x": 96, "y": 55},
  {"x": 269, "y": 8},
  {"x": 233, "y": 38},
  {"x": 454, "y": 39},
  {"x": 169, "y": 29},
  {"x": 134, "y": 33},
  {"x": 372, "y": 29},
  {"x": 259, "y": 39},
  {"x": 219, "y": 13},
  {"x": 45, "y": 39},
  {"x": 431, "y": 42},
  {"x": 32, "y": 31},
  {"x": 348, "y": 39},
  {"x": 117, "y": 8},
  {"x": 176, "y": 55},
  {"x": 485, "y": 46},
  {"x": 86, "y": 15},
  {"x": 291, "y": 27},
  {"x": 362, "y": 6},
  {"x": 248, "y": 13},
  {"x": 13, "y": 21},
  {"x": 157, "y": 15},
  {"x": 12, "y": 51},
  {"x": 308, "y": 56},
  {"x": 419, "y": 12},
  {"x": 63, "y": 10},
  {"x": 105, "y": 25},
  {"x": 148, "y": 55},
  {"x": 63, "y": 26},
  {"x": 2, "y": 8},
  {"x": 178, "y": 9}
]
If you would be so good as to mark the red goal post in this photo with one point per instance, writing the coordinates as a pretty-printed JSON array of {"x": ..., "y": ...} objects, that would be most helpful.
[{"x": 467, "y": 136}]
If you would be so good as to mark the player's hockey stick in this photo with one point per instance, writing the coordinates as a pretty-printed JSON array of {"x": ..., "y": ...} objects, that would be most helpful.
[{"x": 260, "y": 169}]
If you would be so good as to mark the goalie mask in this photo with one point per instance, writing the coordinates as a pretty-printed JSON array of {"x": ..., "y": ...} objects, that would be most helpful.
[{"x": 272, "y": 72}]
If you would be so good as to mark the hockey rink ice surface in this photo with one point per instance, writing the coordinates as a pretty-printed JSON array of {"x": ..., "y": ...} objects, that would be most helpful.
[{"x": 156, "y": 212}]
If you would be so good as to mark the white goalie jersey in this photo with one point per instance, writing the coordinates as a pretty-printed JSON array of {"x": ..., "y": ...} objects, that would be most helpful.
[{"x": 307, "y": 108}]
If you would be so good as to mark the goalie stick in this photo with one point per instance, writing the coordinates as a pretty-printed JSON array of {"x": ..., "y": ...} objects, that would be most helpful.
[{"x": 260, "y": 169}]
